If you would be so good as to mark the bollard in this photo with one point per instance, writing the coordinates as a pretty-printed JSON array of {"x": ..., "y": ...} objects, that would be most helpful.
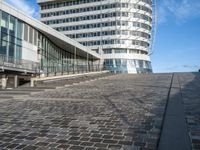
[{"x": 4, "y": 81}]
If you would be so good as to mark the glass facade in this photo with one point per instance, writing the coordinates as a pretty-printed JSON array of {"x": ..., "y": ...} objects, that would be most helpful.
[
  {"x": 96, "y": 8},
  {"x": 15, "y": 35},
  {"x": 99, "y": 16},
  {"x": 108, "y": 33},
  {"x": 123, "y": 65},
  {"x": 11, "y": 39},
  {"x": 55, "y": 59},
  {"x": 77, "y": 2},
  {"x": 104, "y": 24},
  {"x": 118, "y": 29}
]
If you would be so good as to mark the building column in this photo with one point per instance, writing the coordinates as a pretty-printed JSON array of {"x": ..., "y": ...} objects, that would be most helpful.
[
  {"x": 62, "y": 65},
  {"x": 16, "y": 81},
  {"x": 87, "y": 63},
  {"x": 74, "y": 61},
  {"x": 4, "y": 81}
]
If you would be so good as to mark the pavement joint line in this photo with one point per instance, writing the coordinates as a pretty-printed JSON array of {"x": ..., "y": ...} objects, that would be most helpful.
[
  {"x": 180, "y": 87},
  {"x": 174, "y": 133},
  {"x": 164, "y": 115}
]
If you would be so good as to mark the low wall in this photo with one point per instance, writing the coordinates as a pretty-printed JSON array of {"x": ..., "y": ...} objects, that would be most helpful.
[{"x": 34, "y": 80}]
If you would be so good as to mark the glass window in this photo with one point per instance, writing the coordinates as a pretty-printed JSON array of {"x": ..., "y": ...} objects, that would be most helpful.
[
  {"x": 3, "y": 47},
  {"x": 118, "y": 62},
  {"x": 134, "y": 51},
  {"x": 124, "y": 63},
  {"x": 26, "y": 32},
  {"x": 35, "y": 37},
  {"x": 18, "y": 52},
  {"x": 11, "y": 49},
  {"x": 109, "y": 62},
  {"x": 11, "y": 39},
  {"x": 4, "y": 22},
  {"x": 19, "y": 42},
  {"x": 19, "y": 29},
  {"x": 120, "y": 51},
  {"x": 140, "y": 63},
  {"x": 107, "y": 51},
  {"x": 4, "y": 36},
  {"x": 12, "y": 25},
  {"x": 30, "y": 35}
]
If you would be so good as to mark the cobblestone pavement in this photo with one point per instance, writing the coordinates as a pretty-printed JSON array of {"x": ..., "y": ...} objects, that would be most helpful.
[
  {"x": 119, "y": 112},
  {"x": 190, "y": 84}
]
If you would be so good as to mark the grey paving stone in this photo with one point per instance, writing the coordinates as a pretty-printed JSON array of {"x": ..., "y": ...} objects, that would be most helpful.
[
  {"x": 121, "y": 111},
  {"x": 87, "y": 144},
  {"x": 76, "y": 148}
]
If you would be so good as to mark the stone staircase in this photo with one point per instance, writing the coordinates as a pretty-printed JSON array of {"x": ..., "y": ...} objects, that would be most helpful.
[
  {"x": 71, "y": 80},
  {"x": 41, "y": 86}
]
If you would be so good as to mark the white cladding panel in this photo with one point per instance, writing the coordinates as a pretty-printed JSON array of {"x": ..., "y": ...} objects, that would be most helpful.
[{"x": 29, "y": 52}]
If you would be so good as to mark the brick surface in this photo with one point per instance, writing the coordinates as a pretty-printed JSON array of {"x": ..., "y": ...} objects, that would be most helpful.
[
  {"x": 119, "y": 112},
  {"x": 190, "y": 86}
]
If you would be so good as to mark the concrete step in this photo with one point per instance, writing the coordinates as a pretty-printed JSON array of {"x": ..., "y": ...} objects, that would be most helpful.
[
  {"x": 25, "y": 90},
  {"x": 14, "y": 93},
  {"x": 44, "y": 87},
  {"x": 5, "y": 97},
  {"x": 70, "y": 81}
]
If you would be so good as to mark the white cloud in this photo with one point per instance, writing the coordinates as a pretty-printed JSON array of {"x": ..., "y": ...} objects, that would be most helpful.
[
  {"x": 181, "y": 10},
  {"x": 24, "y": 6},
  {"x": 178, "y": 68}
]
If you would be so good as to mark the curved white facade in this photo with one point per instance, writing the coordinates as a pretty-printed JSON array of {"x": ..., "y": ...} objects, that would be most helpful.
[{"x": 120, "y": 30}]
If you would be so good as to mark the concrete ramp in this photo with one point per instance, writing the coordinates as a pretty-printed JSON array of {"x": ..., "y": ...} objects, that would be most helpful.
[{"x": 174, "y": 134}]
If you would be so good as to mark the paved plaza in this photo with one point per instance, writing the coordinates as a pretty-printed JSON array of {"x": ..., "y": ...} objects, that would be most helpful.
[{"x": 118, "y": 112}]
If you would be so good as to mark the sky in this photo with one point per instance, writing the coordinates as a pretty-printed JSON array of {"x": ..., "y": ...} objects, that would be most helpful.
[{"x": 176, "y": 46}]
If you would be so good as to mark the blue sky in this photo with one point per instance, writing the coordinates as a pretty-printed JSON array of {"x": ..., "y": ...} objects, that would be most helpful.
[{"x": 177, "y": 42}]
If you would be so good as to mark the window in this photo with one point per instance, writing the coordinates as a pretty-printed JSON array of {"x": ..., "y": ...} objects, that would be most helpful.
[
  {"x": 12, "y": 25},
  {"x": 3, "y": 48},
  {"x": 26, "y": 32},
  {"x": 11, "y": 39},
  {"x": 4, "y": 22},
  {"x": 118, "y": 62},
  {"x": 120, "y": 51},
  {"x": 19, "y": 29},
  {"x": 35, "y": 37},
  {"x": 11, "y": 49},
  {"x": 4, "y": 36},
  {"x": 31, "y": 35},
  {"x": 134, "y": 51},
  {"x": 108, "y": 62},
  {"x": 140, "y": 62},
  {"x": 107, "y": 51}
]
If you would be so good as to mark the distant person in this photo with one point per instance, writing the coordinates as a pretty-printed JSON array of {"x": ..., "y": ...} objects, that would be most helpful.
[{"x": 199, "y": 70}]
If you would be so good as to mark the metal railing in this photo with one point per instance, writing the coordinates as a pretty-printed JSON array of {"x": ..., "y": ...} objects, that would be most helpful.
[
  {"x": 18, "y": 64},
  {"x": 69, "y": 69},
  {"x": 26, "y": 66}
]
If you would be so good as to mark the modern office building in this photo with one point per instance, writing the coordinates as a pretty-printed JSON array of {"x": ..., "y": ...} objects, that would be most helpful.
[
  {"x": 119, "y": 30},
  {"x": 28, "y": 47}
]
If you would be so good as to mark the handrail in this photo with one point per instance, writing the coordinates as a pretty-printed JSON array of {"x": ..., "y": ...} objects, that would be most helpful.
[
  {"x": 52, "y": 69},
  {"x": 69, "y": 69},
  {"x": 12, "y": 62}
]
